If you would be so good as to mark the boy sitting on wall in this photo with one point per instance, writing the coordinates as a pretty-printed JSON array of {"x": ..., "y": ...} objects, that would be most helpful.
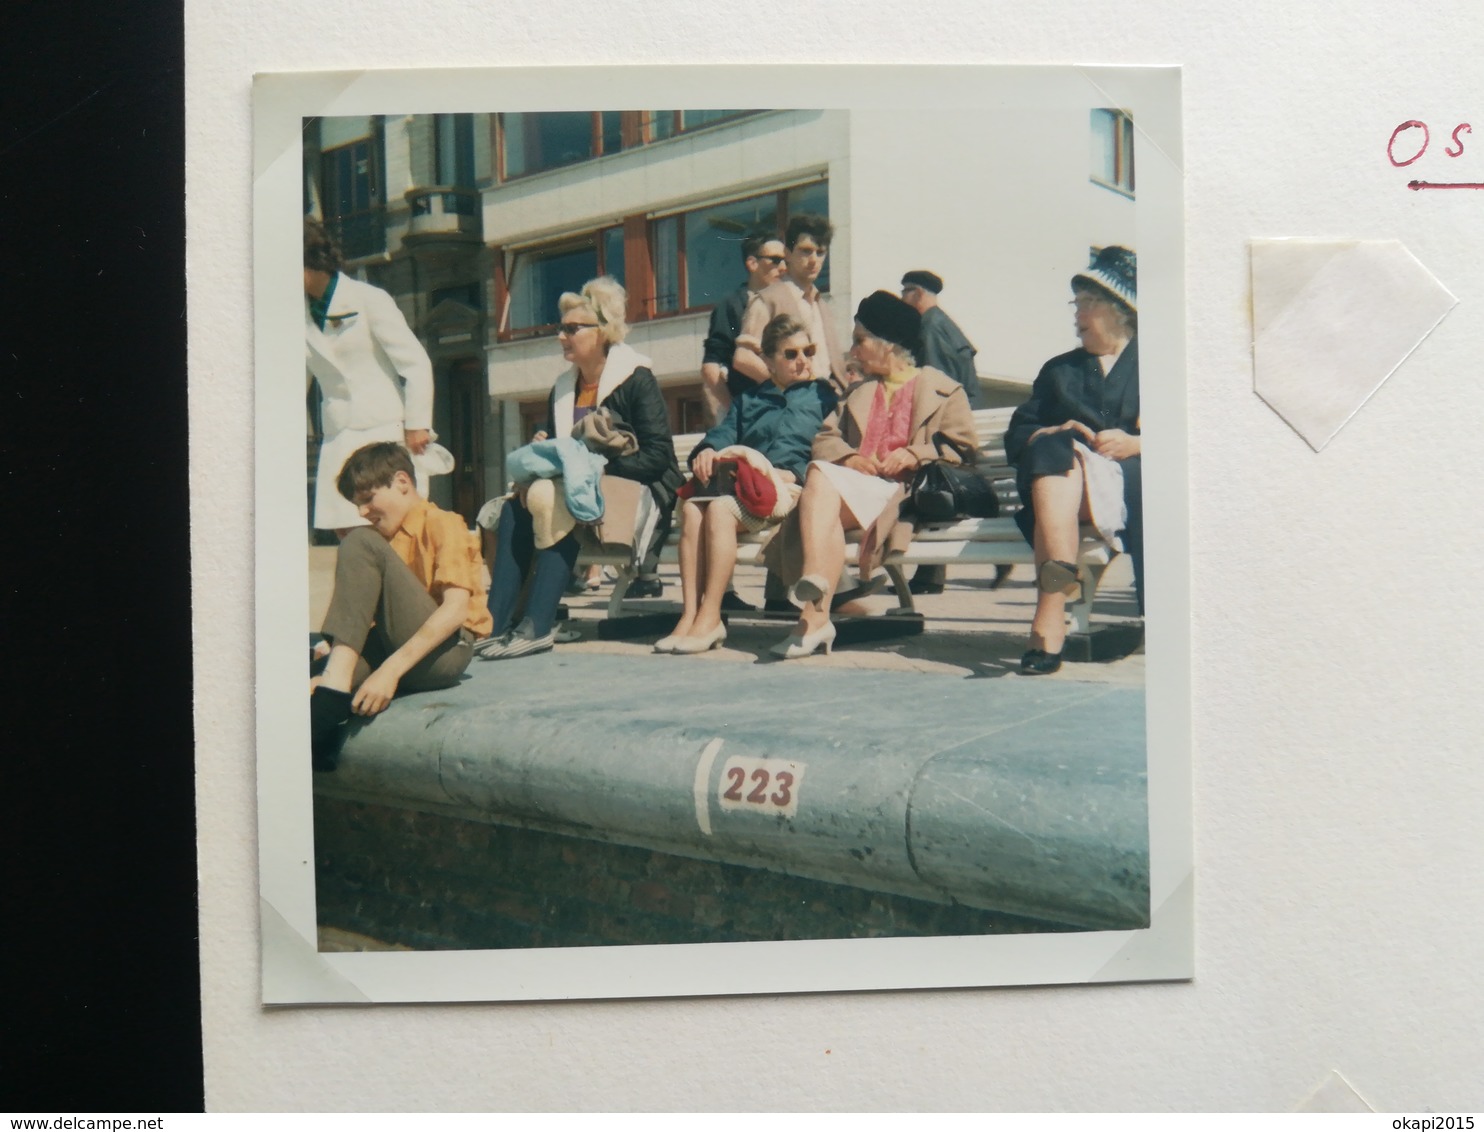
[{"x": 409, "y": 599}]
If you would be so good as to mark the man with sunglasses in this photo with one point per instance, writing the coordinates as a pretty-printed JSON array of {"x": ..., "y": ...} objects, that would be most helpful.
[
  {"x": 763, "y": 259},
  {"x": 808, "y": 243}
]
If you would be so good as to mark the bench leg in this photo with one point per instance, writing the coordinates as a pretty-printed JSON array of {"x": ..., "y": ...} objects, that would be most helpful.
[
  {"x": 620, "y": 587},
  {"x": 898, "y": 577}
]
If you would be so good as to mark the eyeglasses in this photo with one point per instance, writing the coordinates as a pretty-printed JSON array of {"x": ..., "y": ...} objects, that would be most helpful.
[
  {"x": 791, "y": 353},
  {"x": 1086, "y": 302},
  {"x": 571, "y": 329},
  {"x": 775, "y": 260}
]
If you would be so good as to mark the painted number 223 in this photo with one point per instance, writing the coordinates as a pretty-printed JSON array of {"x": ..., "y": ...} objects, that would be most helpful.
[
  {"x": 767, "y": 785},
  {"x": 758, "y": 795}
]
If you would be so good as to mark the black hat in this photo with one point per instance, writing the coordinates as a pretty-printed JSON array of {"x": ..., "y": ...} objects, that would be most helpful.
[
  {"x": 924, "y": 279},
  {"x": 1114, "y": 270},
  {"x": 888, "y": 317}
]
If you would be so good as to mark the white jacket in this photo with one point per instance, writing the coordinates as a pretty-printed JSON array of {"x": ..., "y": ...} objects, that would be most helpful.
[{"x": 363, "y": 357}]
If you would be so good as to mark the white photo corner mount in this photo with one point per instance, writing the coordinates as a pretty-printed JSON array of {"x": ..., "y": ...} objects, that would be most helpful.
[{"x": 1331, "y": 321}]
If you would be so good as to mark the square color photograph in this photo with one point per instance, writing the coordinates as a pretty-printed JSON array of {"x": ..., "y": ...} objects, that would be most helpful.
[{"x": 718, "y": 533}]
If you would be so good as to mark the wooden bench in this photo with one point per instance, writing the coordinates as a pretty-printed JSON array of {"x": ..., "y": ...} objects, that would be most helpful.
[{"x": 996, "y": 542}]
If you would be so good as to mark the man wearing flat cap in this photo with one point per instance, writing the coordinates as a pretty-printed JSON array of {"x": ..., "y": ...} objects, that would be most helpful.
[{"x": 944, "y": 346}]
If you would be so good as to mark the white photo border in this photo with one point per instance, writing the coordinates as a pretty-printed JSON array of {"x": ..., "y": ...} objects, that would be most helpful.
[{"x": 292, "y": 968}]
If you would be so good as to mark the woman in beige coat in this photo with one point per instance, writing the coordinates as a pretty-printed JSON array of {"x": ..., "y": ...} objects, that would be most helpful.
[{"x": 900, "y": 418}]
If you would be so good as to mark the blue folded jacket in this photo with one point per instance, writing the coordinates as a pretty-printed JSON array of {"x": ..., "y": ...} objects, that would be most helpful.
[{"x": 580, "y": 468}]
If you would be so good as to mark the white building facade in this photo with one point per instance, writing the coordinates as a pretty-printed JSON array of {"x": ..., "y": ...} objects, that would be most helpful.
[{"x": 478, "y": 222}]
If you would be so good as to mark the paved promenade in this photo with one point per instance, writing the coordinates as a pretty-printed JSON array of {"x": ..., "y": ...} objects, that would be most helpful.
[{"x": 971, "y": 630}]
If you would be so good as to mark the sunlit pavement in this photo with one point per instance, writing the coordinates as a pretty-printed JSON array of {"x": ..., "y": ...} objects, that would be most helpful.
[{"x": 970, "y": 629}]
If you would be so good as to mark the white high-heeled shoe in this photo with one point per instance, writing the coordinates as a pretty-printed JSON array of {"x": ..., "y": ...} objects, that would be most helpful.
[
  {"x": 810, "y": 587},
  {"x": 667, "y": 644},
  {"x": 794, "y": 645},
  {"x": 685, "y": 646}
]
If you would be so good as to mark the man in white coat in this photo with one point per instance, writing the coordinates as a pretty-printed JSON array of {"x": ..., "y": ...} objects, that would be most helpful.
[{"x": 374, "y": 375}]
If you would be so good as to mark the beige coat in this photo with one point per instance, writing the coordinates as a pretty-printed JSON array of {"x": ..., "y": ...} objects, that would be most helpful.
[{"x": 942, "y": 429}]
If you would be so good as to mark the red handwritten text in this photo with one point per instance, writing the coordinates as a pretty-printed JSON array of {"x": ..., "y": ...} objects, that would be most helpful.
[{"x": 1409, "y": 142}]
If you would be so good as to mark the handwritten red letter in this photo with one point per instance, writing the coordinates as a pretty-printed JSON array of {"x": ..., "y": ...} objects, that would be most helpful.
[{"x": 1426, "y": 137}]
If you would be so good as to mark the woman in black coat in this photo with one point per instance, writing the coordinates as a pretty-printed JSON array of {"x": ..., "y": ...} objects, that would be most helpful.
[
  {"x": 606, "y": 373},
  {"x": 1076, "y": 447}
]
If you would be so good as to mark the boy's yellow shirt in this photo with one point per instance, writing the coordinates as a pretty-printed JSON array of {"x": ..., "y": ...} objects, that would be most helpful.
[{"x": 440, "y": 551}]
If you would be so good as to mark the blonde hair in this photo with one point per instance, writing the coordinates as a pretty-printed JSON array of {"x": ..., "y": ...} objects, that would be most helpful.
[{"x": 605, "y": 299}]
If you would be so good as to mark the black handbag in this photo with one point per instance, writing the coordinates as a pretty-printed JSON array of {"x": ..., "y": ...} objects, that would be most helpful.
[{"x": 942, "y": 492}]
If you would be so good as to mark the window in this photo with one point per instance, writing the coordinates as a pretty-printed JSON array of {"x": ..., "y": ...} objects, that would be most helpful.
[
  {"x": 539, "y": 276},
  {"x": 534, "y": 142},
  {"x": 1113, "y": 150},
  {"x": 661, "y": 124},
  {"x": 687, "y": 409},
  {"x": 611, "y": 123},
  {"x": 664, "y": 242},
  {"x": 351, "y": 197},
  {"x": 681, "y": 263},
  {"x": 453, "y": 145},
  {"x": 696, "y": 256}
]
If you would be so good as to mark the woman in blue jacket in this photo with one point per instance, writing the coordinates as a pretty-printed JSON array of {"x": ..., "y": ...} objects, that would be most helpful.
[{"x": 771, "y": 427}]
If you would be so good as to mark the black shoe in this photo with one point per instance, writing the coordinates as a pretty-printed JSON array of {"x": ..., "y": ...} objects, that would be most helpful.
[
  {"x": 329, "y": 711},
  {"x": 928, "y": 580},
  {"x": 865, "y": 589},
  {"x": 1039, "y": 662},
  {"x": 731, "y": 603},
  {"x": 781, "y": 605},
  {"x": 1001, "y": 573},
  {"x": 645, "y": 587}
]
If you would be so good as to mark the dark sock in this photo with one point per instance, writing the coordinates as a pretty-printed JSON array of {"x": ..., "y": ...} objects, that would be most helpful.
[{"x": 328, "y": 711}]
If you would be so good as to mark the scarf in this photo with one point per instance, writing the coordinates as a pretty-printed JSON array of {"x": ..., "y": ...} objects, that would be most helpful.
[{"x": 890, "y": 425}]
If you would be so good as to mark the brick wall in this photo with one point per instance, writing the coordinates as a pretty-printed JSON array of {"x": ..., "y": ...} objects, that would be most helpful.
[{"x": 430, "y": 882}]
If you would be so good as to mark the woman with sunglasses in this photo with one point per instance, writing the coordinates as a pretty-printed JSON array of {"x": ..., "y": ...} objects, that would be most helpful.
[
  {"x": 776, "y": 420},
  {"x": 900, "y": 417},
  {"x": 605, "y": 373}
]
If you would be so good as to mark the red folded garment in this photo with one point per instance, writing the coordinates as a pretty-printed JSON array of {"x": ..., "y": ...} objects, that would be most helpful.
[{"x": 755, "y": 490}]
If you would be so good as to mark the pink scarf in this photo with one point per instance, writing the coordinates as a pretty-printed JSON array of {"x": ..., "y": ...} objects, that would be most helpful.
[{"x": 889, "y": 428}]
